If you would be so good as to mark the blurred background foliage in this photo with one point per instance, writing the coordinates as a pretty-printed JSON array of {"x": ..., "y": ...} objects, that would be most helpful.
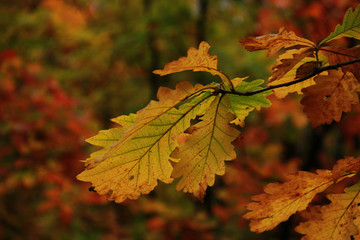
[{"x": 68, "y": 66}]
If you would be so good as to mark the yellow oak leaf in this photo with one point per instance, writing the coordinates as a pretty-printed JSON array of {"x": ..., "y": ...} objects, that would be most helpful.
[
  {"x": 133, "y": 165},
  {"x": 281, "y": 200},
  {"x": 293, "y": 65},
  {"x": 196, "y": 60},
  {"x": 335, "y": 220},
  {"x": 107, "y": 138},
  {"x": 290, "y": 76},
  {"x": 296, "y": 62},
  {"x": 274, "y": 42},
  {"x": 203, "y": 154},
  {"x": 332, "y": 95},
  {"x": 288, "y": 60}
]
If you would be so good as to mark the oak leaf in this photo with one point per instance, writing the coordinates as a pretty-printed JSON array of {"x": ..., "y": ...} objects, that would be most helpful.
[
  {"x": 350, "y": 26},
  {"x": 298, "y": 53},
  {"x": 274, "y": 42},
  {"x": 203, "y": 154},
  {"x": 337, "y": 55},
  {"x": 332, "y": 95},
  {"x": 107, "y": 138},
  {"x": 281, "y": 200},
  {"x": 335, "y": 220},
  {"x": 141, "y": 156},
  {"x": 345, "y": 166},
  {"x": 288, "y": 60},
  {"x": 196, "y": 60},
  {"x": 241, "y": 106},
  {"x": 290, "y": 76},
  {"x": 306, "y": 69},
  {"x": 293, "y": 65}
]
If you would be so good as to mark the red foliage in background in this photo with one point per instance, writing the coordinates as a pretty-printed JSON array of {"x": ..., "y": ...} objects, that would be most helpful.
[
  {"x": 311, "y": 19},
  {"x": 73, "y": 55},
  {"x": 42, "y": 138}
]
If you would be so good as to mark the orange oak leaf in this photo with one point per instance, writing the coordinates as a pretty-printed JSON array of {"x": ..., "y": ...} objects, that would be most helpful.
[
  {"x": 332, "y": 95},
  {"x": 306, "y": 69},
  {"x": 196, "y": 60},
  {"x": 141, "y": 156},
  {"x": 274, "y": 42},
  {"x": 338, "y": 55},
  {"x": 204, "y": 153},
  {"x": 335, "y": 220},
  {"x": 281, "y": 200},
  {"x": 345, "y": 166}
]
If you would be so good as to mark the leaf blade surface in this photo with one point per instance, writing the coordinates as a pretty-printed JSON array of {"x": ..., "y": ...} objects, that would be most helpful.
[
  {"x": 335, "y": 220},
  {"x": 141, "y": 157},
  {"x": 350, "y": 26},
  {"x": 203, "y": 154},
  {"x": 281, "y": 200},
  {"x": 196, "y": 60},
  {"x": 330, "y": 96},
  {"x": 274, "y": 42},
  {"x": 241, "y": 106}
]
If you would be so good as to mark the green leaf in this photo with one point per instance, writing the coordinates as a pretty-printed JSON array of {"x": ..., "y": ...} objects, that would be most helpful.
[
  {"x": 241, "y": 106},
  {"x": 349, "y": 28}
]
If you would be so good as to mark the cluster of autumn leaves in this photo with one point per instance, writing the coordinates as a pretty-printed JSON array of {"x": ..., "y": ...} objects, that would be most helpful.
[
  {"x": 337, "y": 220},
  {"x": 186, "y": 133},
  {"x": 139, "y": 153}
]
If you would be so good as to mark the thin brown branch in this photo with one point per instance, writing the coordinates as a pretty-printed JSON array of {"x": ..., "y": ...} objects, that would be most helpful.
[{"x": 314, "y": 73}]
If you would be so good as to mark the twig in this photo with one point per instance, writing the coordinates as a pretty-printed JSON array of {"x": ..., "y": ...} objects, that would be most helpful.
[{"x": 314, "y": 73}]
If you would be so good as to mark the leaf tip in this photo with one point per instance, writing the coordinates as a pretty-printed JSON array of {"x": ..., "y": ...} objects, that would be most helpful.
[
  {"x": 81, "y": 176},
  {"x": 158, "y": 72}
]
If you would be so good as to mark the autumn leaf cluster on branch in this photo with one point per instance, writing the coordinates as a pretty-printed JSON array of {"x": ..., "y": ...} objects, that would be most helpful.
[{"x": 187, "y": 133}]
